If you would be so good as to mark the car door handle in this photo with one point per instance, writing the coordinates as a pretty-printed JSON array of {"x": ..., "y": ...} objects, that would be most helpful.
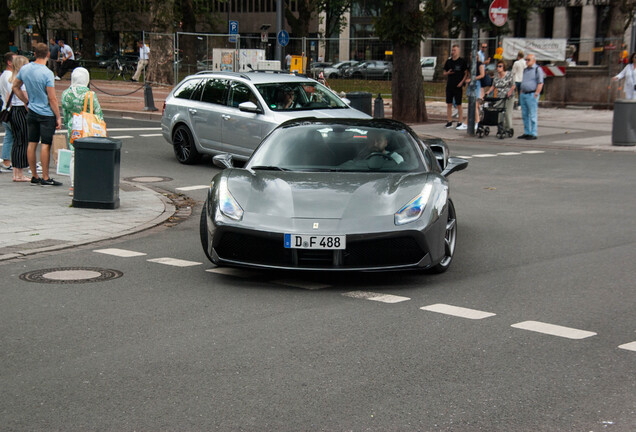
[
  {"x": 225, "y": 117},
  {"x": 192, "y": 111}
]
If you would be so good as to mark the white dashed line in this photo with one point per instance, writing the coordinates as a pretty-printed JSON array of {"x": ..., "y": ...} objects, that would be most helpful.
[
  {"x": 484, "y": 155},
  {"x": 628, "y": 346},
  {"x": 119, "y": 252},
  {"x": 150, "y": 135},
  {"x": 190, "y": 188},
  {"x": 123, "y": 137},
  {"x": 302, "y": 284},
  {"x": 509, "y": 154},
  {"x": 553, "y": 330},
  {"x": 134, "y": 129},
  {"x": 457, "y": 311},
  {"x": 465, "y": 157},
  {"x": 174, "y": 262},
  {"x": 532, "y": 152},
  {"x": 384, "y": 298}
]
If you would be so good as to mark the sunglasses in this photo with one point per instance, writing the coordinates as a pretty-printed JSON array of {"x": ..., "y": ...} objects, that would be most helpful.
[{"x": 499, "y": 66}]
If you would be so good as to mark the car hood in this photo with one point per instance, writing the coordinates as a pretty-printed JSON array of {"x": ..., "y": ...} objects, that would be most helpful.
[
  {"x": 323, "y": 195},
  {"x": 348, "y": 113}
]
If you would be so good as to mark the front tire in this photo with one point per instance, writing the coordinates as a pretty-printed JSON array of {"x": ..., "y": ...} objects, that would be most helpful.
[
  {"x": 203, "y": 231},
  {"x": 450, "y": 240},
  {"x": 184, "y": 148}
]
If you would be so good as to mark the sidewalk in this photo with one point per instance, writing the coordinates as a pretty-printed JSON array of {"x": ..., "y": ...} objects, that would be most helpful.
[{"x": 38, "y": 219}]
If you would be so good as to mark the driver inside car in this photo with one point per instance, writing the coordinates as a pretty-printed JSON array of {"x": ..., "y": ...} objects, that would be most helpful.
[
  {"x": 376, "y": 146},
  {"x": 285, "y": 99}
]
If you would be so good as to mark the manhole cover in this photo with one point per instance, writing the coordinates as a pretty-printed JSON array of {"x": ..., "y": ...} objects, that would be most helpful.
[
  {"x": 71, "y": 275},
  {"x": 148, "y": 179}
]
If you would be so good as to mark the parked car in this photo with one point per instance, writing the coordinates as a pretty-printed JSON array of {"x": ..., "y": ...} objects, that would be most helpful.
[
  {"x": 334, "y": 194},
  {"x": 428, "y": 67},
  {"x": 228, "y": 112},
  {"x": 317, "y": 67},
  {"x": 337, "y": 70},
  {"x": 372, "y": 69}
]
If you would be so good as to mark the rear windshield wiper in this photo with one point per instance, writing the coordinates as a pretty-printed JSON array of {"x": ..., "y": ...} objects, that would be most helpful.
[{"x": 269, "y": 168}]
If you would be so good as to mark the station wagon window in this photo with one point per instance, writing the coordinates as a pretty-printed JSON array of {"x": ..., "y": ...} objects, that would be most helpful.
[
  {"x": 215, "y": 91},
  {"x": 187, "y": 90},
  {"x": 241, "y": 93}
]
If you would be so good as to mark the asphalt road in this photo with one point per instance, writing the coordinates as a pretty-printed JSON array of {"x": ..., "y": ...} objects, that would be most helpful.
[{"x": 546, "y": 239}]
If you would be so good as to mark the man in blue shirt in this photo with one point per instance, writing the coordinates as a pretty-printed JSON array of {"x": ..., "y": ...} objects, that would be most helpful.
[
  {"x": 44, "y": 113},
  {"x": 531, "y": 87}
]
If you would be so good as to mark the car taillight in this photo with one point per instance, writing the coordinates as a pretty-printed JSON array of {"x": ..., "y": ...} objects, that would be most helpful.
[{"x": 163, "y": 110}]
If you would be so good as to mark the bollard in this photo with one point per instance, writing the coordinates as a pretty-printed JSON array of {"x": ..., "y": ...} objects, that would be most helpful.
[
  {"x": 148, "y": 99},
  {"x": 378, "y": 107},
  {"x": 624, "y": 123}
]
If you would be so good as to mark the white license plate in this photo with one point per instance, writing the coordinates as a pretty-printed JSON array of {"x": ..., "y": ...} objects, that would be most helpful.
[{"x": 307, "y": 241}]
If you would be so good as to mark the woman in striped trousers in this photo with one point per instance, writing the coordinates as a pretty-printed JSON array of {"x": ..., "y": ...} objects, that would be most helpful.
[{"x": 19, "y": 128}]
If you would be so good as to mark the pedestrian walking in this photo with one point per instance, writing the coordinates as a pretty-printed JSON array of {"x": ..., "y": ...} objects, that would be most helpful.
[
  {"x": 73, "y": 103},
  {"x": 531, "y": 86},
  {"x": 629, "y": 74},
  {"x": 517, "y": 72},
  {"x": 144, "y": 56},
  {"x": 54, "y": 50},
  {"x": 5, "y": 92},
  {"x": 504, "y": 87},
  {"x": 66, "y": 59},
  {"x": 480, "y": 74},
  {"x": 456, "y": 71},
  {"x": 44, "y": 113},
  {"x": 18, "y": 125}
]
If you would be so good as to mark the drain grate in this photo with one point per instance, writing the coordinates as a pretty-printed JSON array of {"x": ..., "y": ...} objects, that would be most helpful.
[{"x": 71, "y": 275}]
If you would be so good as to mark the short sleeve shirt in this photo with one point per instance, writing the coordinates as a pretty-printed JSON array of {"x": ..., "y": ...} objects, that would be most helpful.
[
  {"x": 143, "y": 52},
  {"x": 36, "y": 78},
  {"x": 459, "y": 68},
  {"x": 532, "y": 77},
  {"x": 66, "y": 50}
]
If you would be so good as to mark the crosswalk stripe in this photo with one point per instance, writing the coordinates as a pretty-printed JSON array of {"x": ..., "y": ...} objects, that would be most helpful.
[
  {"x": 174, "y": 262},
  {"x": 628, "y": 346},
  {"x": 119, "y": 252},
  {"x": 191, "y": 188},
  {"x": 554, "y": 330},
  {"x": 384, "y": 298},
  {"x": 457, "y": 311}
]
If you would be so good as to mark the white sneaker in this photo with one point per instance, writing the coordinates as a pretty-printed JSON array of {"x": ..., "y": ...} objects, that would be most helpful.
[
  {"x": 461, "y": 126},
  {"x": 57, "y": 78}
]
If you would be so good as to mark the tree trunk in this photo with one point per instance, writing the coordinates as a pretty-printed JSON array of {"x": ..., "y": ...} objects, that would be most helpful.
[
  {"x": 407, "y": 86},
  {"x": 88, "y": 29},
  {"x": 188, "y": 44},
  {"x": 161, "y": 59},
  {"x": 4, "y": 26}
]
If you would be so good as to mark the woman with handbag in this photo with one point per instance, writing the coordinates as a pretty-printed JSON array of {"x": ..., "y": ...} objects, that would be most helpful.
[
  {"x": 73, "y": 102},
  {"x": 18, "y": 124}
]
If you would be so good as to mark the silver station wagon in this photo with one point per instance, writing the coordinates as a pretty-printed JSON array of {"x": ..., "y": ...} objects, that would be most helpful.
[{"x": 228, "y": 112}]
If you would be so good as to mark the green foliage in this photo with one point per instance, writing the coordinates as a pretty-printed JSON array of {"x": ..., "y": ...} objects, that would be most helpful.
[{"x": 400, "y": 23}]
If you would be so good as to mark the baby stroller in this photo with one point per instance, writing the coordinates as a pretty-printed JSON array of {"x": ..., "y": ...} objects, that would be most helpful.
[{"x": 494, "y": 110}]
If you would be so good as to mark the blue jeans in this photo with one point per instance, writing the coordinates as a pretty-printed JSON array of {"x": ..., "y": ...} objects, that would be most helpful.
[
  {"x": 7, "y": 144},
  {"x": 529, "y": 104}
]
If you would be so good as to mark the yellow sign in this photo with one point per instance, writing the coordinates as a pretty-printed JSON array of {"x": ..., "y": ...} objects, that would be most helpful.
[
  {"x": 388, "y": 52},
  {"x": 597, "y": 49},
  {"x": 298, "y": 64}
]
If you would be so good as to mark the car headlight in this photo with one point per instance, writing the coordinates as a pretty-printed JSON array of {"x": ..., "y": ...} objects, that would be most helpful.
[
  {"x": 414, "y": 208},
  {"x": 227, "y": 204}
]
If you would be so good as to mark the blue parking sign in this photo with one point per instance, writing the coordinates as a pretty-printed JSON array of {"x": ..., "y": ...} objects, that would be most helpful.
[{"x": 233, "y": 30}]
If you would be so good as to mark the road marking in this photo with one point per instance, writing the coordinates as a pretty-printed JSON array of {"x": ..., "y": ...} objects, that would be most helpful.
[
  {"x": 484, "y": 155},
  {"x": 190, "y": 188},
  {"x": 532, "y": 152},
  {"x": 123, "y": 137},
  {"x": 384, "y": 298},
  {"x": 150, "y": 135},
  {"x": 119, "y": 252},
  {"x": 457, "y": 311},
  {"x": 553, "y": 330},
  {"x": 134, "y": 129},
  {"x": 509, "y": 154},
  {"x": 308, "y": 285},
  {"x": 174, "y": 262},
  {"x": 465, "y": 157},
  {"x": 628, "y": 346}
]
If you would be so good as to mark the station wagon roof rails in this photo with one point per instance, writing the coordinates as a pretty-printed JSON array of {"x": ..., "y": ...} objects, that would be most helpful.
[{"x": 239, "y": 74}]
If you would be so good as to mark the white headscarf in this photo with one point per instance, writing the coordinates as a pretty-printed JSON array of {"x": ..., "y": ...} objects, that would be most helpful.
[{"x": 80, "y": 77}]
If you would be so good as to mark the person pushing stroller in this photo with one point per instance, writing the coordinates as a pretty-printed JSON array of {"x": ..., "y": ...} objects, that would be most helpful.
[{"x": 500, "y": 104}]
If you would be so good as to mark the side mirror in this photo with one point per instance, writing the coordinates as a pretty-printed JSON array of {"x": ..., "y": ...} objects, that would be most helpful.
[
  {"x": 224, "y": 160},
  {"x": 454, "y": 164},
  {"x": 439, "y": 149},
  {"x": 249, "y": 107}
]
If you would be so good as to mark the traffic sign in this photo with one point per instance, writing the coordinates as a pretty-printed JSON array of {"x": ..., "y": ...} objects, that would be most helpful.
[
  {"x": 498, "y": 12},
  {"x": 233, "y": 30},
  {"x": 264, "y": 36},
  {"x": 283, "y": 38}
]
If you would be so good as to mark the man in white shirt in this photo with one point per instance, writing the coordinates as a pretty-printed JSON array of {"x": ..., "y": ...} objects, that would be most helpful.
[
  {"x": 144, "y": 52},
  {"x": 66, "y": 59},
  {"x": 517, "y": 72}
]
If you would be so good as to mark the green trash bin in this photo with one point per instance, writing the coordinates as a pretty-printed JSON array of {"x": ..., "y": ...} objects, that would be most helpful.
[{"x": 96, "y": 170}]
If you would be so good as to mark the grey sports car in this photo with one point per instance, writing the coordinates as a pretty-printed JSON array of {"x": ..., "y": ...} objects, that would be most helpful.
[{"x": 334, "y": 195}]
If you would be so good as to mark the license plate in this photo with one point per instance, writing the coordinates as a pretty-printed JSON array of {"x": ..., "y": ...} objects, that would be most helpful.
[{"x": 307, "y": 241}]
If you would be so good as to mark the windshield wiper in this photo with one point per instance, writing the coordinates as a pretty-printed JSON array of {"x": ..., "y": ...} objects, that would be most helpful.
[{"x": 268, "y": 168}]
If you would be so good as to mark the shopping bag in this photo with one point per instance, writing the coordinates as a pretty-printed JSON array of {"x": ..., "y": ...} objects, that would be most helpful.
[
  {"x": 64, "y": 162},
  {"x": 59, "y": 143},
  {"x": 86, "y": 124}
]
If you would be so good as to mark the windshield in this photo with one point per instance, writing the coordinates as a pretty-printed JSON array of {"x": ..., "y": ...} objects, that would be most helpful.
[
  {"x": 299, "y": 96},
  {"x": 344, "y": 148}
]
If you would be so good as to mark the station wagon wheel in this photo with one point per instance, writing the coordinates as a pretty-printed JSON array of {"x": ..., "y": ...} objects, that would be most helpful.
[
  {"x": 450, "y": 240},
  {"x": 184, "y": 148}
]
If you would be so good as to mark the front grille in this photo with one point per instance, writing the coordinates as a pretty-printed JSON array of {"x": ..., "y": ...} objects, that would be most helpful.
[{"x": 382, "y": 252}]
